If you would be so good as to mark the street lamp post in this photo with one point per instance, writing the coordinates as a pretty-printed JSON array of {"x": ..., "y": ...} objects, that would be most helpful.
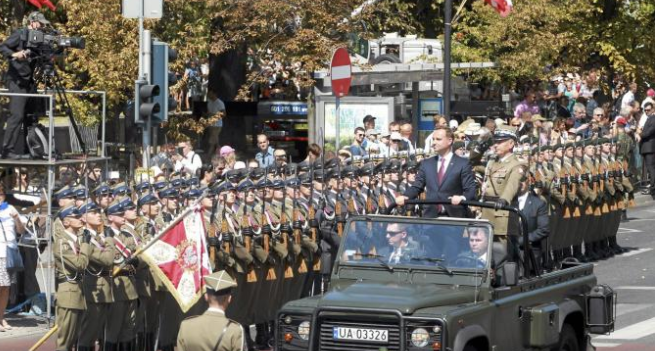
[{"x": 446, "y": 58}]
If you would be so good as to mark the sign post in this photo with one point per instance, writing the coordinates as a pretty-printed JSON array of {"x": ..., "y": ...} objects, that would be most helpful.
[
  {"x": 341, "y": 77},
  {"x": 143, "y": 9}
]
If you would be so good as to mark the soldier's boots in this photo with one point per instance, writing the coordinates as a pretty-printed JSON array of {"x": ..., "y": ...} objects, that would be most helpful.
[
  {"x": 271, "y": 334},
  {"x": 615, "y": 247},
  {"x": 577, "y": 254},
  {"x": 126, "y": 346},
  {"x": 250, "y": 345},
  {"x": 261, "y": 340},
  {"x": 607, "y": 252},
  {"x": 624, "y": 216},
  {"x": 590, "y": 253},
  {"x": 597, "y": 250}
]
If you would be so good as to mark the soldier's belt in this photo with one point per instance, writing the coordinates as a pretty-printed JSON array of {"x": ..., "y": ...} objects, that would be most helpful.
[
  {"x": 101, "y": 274},
  {"x": 126, "y": 273},
  {"x": 61, "y": 280}
]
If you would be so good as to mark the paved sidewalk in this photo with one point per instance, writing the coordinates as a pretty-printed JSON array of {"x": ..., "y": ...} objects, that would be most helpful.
[{"x": 24, "y": 325}]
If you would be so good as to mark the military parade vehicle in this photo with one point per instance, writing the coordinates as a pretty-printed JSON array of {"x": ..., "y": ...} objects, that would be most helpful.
[{"x": 408, "y": 283}]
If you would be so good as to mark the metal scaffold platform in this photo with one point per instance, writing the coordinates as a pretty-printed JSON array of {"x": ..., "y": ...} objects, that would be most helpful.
[{"x": 41, "y": 217}]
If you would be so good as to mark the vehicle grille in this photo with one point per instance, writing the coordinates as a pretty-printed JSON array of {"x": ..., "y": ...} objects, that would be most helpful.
[{"x": 327, "y": 342}]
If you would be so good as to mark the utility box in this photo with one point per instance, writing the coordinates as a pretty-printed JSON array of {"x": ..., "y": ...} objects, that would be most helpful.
[{"x": 541, "y": 325}]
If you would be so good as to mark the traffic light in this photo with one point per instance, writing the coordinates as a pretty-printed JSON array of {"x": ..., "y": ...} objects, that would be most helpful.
[
  {"x": 162, "y": 55},
  {"x": 145, "y": 101}
]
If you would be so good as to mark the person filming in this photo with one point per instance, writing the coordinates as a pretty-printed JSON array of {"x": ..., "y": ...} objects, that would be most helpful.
[{"x": 19, "y": 79}]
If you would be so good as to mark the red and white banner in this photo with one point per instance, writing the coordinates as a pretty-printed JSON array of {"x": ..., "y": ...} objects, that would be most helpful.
[
  {"x": 40, "y": 3},
  {"x": 504, "y": 7},
  {"x": 180, "y": 259}
]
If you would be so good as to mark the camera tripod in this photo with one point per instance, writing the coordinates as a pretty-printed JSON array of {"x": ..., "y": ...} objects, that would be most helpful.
[{"x": 52, "y": 82}]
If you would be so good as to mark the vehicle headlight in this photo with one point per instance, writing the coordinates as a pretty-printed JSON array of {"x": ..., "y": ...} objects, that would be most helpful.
[
  {"x": 420, "y": 337},
  {"x": 303, "y": 330}
]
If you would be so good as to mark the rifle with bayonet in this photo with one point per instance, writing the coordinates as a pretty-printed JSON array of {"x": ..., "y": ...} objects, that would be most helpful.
[
  {"x": 297, "y": 230},
  {"x": 313, "y": 223},
  {"x": 285, "y": 229},
  {"x": 266, "y": 232}
]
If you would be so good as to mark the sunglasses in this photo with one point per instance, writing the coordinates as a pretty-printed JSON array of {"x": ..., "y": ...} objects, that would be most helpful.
[{"x": 389, "y": 232}]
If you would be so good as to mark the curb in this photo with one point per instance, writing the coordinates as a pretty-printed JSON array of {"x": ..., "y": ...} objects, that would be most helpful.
[{"x": 643, "y": 200}]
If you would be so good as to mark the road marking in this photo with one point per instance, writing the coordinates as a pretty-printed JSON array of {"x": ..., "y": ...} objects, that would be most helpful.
[
  {"x": 625, "y": 308},
  {"x": 604, "y": 344},
  {"x": 628, "y": 230},
  {"x": 635, "y": 288},
  {"x": 636, "y": 252},
  {"x": 633, "y": 332}
]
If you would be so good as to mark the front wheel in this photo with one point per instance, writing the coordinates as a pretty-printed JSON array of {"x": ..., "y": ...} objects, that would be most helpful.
[{"x": 568, "y": 340}]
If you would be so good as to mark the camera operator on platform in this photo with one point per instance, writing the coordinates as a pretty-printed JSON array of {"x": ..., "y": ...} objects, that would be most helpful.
[{"x": 19, "y": 79}]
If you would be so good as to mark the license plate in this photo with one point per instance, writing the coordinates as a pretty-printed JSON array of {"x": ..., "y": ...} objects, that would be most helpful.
[
  {"x": 276, "y": 133},
  {"x": 361, "y": 334},
  {"x": 301, "y": 126}
]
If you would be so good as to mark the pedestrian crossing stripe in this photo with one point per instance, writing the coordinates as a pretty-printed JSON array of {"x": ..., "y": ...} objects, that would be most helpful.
[{"x": 632, "y": 332}]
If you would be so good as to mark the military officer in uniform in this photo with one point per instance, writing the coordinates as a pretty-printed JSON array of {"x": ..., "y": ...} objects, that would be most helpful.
[
  {"x": 502, "y": 182},
  {"x": 98, "y": 285},
  {"x": 212, "y": 331},
  {"x": 71, "y": 258},
  {"x": 121, "y": 319}
]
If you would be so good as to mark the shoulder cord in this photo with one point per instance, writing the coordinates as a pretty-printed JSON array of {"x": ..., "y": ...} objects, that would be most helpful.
[
  {"x": 63, "y": 267},
  {"x": 218, "y": 343},
  {"x": 88, "y": 267}
]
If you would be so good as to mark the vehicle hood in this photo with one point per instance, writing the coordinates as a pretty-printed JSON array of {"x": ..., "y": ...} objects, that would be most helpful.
[{"x": 405, "y": 298}]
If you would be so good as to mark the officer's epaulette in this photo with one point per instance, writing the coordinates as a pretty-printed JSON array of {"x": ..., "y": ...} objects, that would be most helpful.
[{"x": 192, "y": 317}]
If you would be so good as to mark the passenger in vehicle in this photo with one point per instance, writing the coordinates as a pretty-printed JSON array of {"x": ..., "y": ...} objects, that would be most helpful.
[
  {"x": 476, "y": 255},
  {"x": 401, "y": 249}
]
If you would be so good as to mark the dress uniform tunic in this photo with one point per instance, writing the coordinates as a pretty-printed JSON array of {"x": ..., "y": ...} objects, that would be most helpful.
[
  {"x": 98, "y": 288},
  {"x": 212, "y": 331},
  {"x": 71, "y": 258},
  {"x": 503, "y": 181}
]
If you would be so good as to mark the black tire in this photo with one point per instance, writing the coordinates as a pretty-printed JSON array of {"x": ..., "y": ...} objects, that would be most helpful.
[
  {"x": 470, "y": 347},
  {"x": 568, "y": 339},
  {"x": 386, "y": 59}
]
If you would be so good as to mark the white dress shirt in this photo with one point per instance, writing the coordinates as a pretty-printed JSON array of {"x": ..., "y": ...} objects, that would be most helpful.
[
  {"x": 189, "y": 163},
  {"x": 448, "y": 157},
  {"x": 522, "y": 200}
]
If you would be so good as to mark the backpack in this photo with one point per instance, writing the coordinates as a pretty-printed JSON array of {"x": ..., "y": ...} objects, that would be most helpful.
[{"x": 37, "y": 141}]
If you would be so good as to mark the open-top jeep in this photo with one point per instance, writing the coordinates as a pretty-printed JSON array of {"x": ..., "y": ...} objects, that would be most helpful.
[{"x": 403, "y": 283}]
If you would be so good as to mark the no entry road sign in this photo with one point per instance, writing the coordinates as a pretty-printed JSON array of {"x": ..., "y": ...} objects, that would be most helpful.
[{"x": 340, "y": 72}]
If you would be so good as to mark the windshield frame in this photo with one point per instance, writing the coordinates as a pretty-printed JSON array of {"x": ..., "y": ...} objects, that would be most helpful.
[{"x": 459, "y": 222}]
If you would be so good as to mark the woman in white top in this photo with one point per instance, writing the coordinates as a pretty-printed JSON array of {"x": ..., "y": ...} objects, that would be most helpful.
[{"x": 10, "y": 224}]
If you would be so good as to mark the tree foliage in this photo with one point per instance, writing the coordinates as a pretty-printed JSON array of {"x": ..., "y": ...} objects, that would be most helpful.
[{"x": 538, "y": 39}]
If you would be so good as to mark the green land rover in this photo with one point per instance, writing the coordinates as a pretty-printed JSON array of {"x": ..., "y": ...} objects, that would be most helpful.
[{"x": 414, "y": 284}]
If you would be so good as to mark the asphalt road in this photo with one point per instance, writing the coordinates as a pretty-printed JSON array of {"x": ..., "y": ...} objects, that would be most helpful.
[{"x": 632, "y": 275}]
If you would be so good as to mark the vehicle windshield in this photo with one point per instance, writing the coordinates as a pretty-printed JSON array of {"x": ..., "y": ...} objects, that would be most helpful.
[{"x": 391, "y": 244}]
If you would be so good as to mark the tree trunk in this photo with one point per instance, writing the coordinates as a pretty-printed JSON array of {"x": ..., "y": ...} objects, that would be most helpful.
[{"x": 228, "y": 72}]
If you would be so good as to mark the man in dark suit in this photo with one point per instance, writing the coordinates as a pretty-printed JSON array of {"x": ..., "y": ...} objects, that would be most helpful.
[
  {"x": 445, "y": 177},
  {"x": 647, "y": 148},
  {"x": 536, "y": 213},
  {"x": 401, "y": 249}
]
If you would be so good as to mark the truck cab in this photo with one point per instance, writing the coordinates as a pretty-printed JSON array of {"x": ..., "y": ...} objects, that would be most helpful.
[
  {"x": 418, "y": 284},
  {"x": 392, "y": 48}
]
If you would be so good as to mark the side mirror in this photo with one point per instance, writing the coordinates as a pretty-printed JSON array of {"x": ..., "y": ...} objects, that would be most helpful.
[{"x": 511, "y": 273}]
